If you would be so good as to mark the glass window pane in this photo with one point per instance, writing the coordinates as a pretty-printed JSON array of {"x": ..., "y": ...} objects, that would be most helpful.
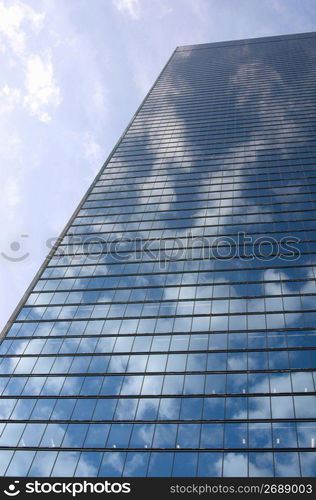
[
  {"x": 160, "y": 464},
  {"x": 235, "y": 465},
  {"x": 185, "y": 464},
  {"x": 210, "y": 465}
]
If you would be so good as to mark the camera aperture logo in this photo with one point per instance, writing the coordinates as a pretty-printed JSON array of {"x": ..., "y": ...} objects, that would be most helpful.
[{"x": 72, "y": 488}]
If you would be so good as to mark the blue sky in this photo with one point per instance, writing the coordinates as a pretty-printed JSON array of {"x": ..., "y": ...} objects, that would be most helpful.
[{"x": 73, "y": 73}]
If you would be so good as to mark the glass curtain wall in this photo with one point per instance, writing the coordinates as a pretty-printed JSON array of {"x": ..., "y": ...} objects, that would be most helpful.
[{"x": 172, "y": 331}]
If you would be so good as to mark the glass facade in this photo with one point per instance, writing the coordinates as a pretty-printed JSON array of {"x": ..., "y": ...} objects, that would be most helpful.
[{"x": 172, "y": 330}]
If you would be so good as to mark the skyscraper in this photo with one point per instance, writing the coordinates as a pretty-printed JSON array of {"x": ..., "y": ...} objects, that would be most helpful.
[{"x": 171, "y": 330}]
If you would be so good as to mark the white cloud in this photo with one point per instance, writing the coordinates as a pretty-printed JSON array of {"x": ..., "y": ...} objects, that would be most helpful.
[
  {"x": 113, "y": 460},
  {"x": 12, "y": 192},
  {"x": 42, "y": 90},
  {"x": 10, "y": 97},
  {"x": 137, "y": 461},
  {"x": 235, "y": 465},
  {"x": 129, "y": 7},
  {"x": 100, "y": 97},
  {"x": 92, "y": 150},
  {"x": 19, "y": 25},
  {"x": 11, "y": 19}
]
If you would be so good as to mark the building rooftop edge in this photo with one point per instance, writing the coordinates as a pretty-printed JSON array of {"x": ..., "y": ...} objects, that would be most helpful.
[{"x": 244, "y": 41}]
